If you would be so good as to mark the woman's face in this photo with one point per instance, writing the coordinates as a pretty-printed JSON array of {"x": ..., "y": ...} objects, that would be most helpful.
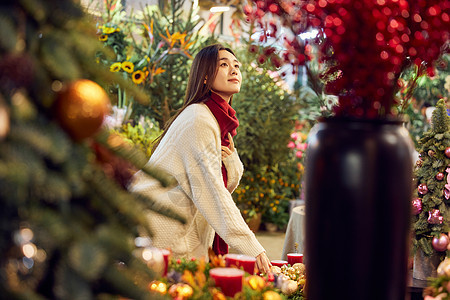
[{"x": 228, "y": 79}]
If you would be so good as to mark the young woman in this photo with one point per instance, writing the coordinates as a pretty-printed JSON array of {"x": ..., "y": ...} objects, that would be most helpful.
[{"x": 197, "y": 149}]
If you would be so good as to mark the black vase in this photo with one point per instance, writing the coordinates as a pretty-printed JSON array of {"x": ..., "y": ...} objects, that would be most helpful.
[{"x": 358, "y": 195}]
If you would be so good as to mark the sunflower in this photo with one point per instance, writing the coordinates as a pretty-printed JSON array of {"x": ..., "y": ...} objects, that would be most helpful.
[
  {"x": 115, "y": 67},
  {"x": 128, "y": 66},
  {"x": 103, "y": 37},
  {"x": 138, "y": 77},
  {"x": 108, "y": 30}
]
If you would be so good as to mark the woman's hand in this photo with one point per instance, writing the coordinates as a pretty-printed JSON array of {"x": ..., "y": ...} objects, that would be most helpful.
[
  {"x": 263, "y": 263},
  {"x": 227, "y": 151}
]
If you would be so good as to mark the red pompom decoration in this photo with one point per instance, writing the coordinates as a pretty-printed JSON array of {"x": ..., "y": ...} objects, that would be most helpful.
[{"x": 440, "y": 176}]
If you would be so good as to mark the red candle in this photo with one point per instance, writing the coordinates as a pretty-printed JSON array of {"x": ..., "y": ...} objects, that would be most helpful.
[
  {"x": 279, "y": 263},
  {"x": 241, "y": 261},
  {"x": 228, "y": 279},
  {"x": 294, "y": 258},
  {"x": 166, "y": 254}
]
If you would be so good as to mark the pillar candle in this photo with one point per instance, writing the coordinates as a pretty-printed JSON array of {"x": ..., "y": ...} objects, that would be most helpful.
[
  {"x": 241, "y": 261},
  {"x": 294, "y": 258},
  {"x": 279, "y": 263},
  {"x": 228, "y": 279}
]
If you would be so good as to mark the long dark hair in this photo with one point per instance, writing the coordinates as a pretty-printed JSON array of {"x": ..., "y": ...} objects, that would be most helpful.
[{"x": 204, "y": 66}]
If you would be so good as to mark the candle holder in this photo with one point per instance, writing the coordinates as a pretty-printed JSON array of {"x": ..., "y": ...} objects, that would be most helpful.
[
  {"x": 294, "y": 258},
  {"x": 166, "y": 255},
  {"x": 279, "y": 263},
  {"x": 228, "y": 279},
  {"x": 241, "y": 261}
]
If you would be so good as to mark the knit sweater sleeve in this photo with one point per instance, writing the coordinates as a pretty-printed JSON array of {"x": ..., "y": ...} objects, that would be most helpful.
[
  {"x": 235, "y": 169},
  {"x": 202, "y": 162}
]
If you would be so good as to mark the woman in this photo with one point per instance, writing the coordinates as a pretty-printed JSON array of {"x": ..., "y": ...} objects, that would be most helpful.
[{"x": 197, "y": 149}]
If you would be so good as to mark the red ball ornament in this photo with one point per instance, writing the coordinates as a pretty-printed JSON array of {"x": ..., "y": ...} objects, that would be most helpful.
[
  {"x": 435, "y": 217},
  {"x": 416, "y": 206},
  {"x": 422, "y": 189},
  {"x": 447, "y": 152},
  {"x": 440, "y": 176},
  {"x": 440, "y": 243},
  {"x": 81, "y": 107}
]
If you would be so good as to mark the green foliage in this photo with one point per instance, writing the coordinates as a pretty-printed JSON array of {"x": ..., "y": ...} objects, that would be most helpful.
[
  {"x": 433, "y": 161},
  {"x": 67, "y": 229},
  {"x": 432, "y": 88},
  {"x": 153, "y": 49},
  {"x": 141, "y": 135},
  {"x": 266, "y": 115}
]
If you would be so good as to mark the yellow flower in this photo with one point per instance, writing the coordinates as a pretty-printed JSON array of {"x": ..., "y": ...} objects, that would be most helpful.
[
  {"x": 108, "y": 30},
  {"x": 128, "y": 66},
  {"x": 171, "y": 39},
  {"x": 103, "y": 37},
  {"x": 274, "y": 208},
  {"x": 138, "y": 77},
  {"x": 115, "y": 67}
]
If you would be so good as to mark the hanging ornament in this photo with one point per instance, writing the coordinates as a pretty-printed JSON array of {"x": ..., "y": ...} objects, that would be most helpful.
[
  {"x": 446, "y": 194},
  {"x": 422, "y": 189},
  {"x": 431, "y": 153},
  {"x": 114, "y": 166},
  {"x": 440, "y": 243},
  {"x": 16, "y": 71},
  {"x": 81, "y": 107},
  {"x": 434, "y": 217},
  {"x": 416, "y": 206},
  {"x": 447, "y": 152},
  {"x": 440, "y": 176},
  {"x": 419, "y": 163}
]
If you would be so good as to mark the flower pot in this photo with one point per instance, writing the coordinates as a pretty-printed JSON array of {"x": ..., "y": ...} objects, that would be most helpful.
[
  {"x": 358, "y": 193},
  {"x": 255, "y": 222},
  {"x": 271, "y": 227},
  {"x": 425, "y": 266}
]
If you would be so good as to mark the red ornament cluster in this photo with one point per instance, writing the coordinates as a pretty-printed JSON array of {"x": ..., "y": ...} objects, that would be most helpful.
[{"x": 371, "y": 42}]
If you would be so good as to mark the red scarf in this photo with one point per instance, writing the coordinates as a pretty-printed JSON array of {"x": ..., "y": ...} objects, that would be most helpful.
[{"x": 226, "y": 117}]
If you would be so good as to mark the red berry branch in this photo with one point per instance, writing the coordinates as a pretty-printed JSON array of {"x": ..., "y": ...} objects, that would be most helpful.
[{"x": 369, "y": 42}]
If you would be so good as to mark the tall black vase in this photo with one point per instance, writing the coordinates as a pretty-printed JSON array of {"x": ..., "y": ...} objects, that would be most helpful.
[{"x": 358, "y": 193}]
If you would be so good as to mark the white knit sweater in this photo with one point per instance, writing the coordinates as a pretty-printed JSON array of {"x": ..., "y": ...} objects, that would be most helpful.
[{"x": 190, "y": 151}]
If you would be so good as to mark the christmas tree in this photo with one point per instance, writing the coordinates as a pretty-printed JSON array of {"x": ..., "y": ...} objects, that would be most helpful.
[
  {"x": 430, "y": 205},
  {"x": 67, "y": 225}
]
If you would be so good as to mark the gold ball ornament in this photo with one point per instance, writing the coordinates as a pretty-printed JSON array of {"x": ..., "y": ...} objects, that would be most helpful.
[
  {"x": 275, "y": 270},
  {"x": 299, "y": 268},
  {"x": 444, "y": 267},
  {"x": 81, "y": 107},
  {"x": 271, "y": 295}
]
